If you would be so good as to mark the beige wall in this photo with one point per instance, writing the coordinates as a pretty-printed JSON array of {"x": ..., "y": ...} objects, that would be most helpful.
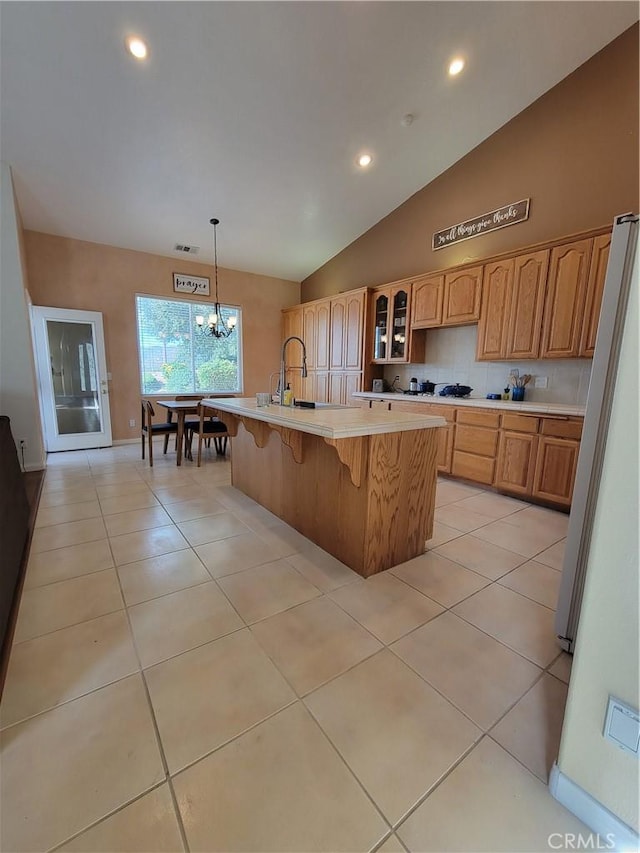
[
  {"x": 606, "y": 658},
  {"x": 65, "y": 273},
  {"x": 18, "y": 396},
  {"x": 574, "y": 152}
]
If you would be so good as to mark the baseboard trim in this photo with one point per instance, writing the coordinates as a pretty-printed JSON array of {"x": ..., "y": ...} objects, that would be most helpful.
[
  {"x": 596, "y": 816},
  {"x": 126, "y": 441}
]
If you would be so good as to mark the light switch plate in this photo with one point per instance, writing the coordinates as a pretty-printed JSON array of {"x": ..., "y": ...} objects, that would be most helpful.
[{"x": 622, "y": 726}]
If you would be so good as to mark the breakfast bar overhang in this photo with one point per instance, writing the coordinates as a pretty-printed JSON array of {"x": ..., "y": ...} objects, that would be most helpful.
[{"x": 359, "y": 483}]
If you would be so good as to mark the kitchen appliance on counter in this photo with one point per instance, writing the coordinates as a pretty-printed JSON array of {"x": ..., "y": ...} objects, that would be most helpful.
[{"x": 456, "y": 390}]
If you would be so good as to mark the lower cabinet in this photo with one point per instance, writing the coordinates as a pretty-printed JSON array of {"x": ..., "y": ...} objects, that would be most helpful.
[
  {"x": 516, "y": 462},
  {"x": 556, "y": 464},
  {"x": 445, "y": 433},
  {"x": 475, "y": 445}
]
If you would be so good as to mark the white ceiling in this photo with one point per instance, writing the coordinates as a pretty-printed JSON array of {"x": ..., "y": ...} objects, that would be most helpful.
[{"x": 255, "y": 113}]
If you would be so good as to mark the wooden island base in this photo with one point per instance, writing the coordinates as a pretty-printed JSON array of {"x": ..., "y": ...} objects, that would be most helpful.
[{"x": 368, "y": 500}]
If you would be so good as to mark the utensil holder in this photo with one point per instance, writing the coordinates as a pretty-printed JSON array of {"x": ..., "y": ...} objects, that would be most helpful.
[{"x": 517, "y": 394}]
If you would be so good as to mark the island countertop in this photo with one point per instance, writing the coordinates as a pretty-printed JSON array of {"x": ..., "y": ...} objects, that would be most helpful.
[{"x": 334, "y": 423}]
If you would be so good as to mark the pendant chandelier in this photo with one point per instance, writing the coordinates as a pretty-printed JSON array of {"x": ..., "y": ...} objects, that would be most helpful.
[{"x": 215, "y": 325}]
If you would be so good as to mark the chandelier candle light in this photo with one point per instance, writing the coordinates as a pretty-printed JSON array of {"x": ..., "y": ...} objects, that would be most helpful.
[{"x": 215, "y": 325}]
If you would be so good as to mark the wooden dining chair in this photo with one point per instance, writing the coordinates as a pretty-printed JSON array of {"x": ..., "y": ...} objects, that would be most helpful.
[
  {"x": 206, "y": 427},
  {"x": 148, "y": 429}
]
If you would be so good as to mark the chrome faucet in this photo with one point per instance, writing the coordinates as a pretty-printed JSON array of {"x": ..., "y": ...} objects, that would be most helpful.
[{"x": 283, "y": 366}]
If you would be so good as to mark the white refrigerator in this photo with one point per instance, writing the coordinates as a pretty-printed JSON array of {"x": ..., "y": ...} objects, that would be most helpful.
[{"x": 622, "y": 274}]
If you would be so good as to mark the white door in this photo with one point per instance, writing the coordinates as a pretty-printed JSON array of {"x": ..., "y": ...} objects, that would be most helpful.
[{"x": 72, "y": 378}]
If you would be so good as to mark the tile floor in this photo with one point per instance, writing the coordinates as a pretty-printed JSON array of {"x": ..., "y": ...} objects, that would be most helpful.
[{"x": 189, "y": 673}]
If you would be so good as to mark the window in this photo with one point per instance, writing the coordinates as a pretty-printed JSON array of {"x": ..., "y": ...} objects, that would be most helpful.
[{"x": 176, "y": 356}]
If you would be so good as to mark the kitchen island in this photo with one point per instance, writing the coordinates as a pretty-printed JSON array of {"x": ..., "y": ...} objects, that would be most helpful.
[{"x": 358, "y": 483}]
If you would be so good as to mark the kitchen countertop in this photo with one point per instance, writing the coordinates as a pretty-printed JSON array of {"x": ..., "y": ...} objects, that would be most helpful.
[
  {"x": 347, "y": 422},
  {"x": 479, "y": 402}
]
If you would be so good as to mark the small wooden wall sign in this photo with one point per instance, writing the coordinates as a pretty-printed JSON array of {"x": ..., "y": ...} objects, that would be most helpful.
[
  {"x": 190, "y": 284},
  {"x": 510, "y": 214}
]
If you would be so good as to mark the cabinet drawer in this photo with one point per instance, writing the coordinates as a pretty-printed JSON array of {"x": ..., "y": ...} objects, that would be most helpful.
[
  {"x": 446, "y": 412},
  {"x": 412, "y": 408},
  {"x": 473, "y": 439},
  {"x": 380, "y": 405},
  {"x": 472, "y": 467},
  {"x": 561, "y": 429},
  {"x": 476, "y": 417},
  {"x": 520, "y": 423}
]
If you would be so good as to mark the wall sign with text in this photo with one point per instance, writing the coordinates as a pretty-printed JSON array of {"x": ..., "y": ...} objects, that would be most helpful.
[
  {"x": 190, "y": 284},
  {"x": 510, "y": 214}
]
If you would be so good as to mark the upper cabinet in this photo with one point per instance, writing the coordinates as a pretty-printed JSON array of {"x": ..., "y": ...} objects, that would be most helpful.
[
  {"x": 347, "y": 325},
  {"x": 595, "y": 289},
  {"x": 292, "y": 322},
  {"x": 565, "y": 299},
  {"x": 512, "y": 303},
  {"x": 426, "y": 302},
  {"x": 461, "y": 301},
  {"x": 392, "y": 340}
]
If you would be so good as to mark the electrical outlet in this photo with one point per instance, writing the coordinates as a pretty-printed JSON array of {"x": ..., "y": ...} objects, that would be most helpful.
[
  {"x": 540, "y": 382},
  {"x": 132, "y": 422}
]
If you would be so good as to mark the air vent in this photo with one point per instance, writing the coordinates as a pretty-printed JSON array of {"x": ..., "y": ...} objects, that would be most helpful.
[{"x": 189, "y": 250}]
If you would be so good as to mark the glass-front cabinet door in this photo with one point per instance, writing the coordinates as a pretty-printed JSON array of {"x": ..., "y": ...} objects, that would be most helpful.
[
  {"x": 400, "y": 329},
  {"x": 381, "y": 318}
]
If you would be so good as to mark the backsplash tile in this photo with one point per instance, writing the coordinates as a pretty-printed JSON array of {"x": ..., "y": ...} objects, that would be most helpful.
[{"x": 450, "y": 357}]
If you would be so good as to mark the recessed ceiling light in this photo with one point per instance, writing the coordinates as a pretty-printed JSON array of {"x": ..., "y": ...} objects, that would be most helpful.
[
  {"x": 364, "y": 160},
  {"x": 136, "y": 47},
  {"x": 455, "y": 66}
]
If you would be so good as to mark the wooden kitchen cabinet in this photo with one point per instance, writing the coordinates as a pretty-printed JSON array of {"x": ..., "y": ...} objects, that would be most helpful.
[
  {"x": 292, "y": 322},
  {"x": 427, "y": 296},
  {"x": 445, "y": 433},
  {"x": 392, "y": 338},
  {"x": 475, "y": 445},
  {"x": 516, "y": 462},
  {"x": 513, "y": 294},
  {"x": 461, "y": 300},
  {"x": 347, "y": 325},
  {"x": 595, "y": 289},
  {"x": 565, "y": 299},
  {"x": 556, "y": 464}
]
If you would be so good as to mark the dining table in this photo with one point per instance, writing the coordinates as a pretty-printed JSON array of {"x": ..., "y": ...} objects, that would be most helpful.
[{"x": 182, "y": 408}]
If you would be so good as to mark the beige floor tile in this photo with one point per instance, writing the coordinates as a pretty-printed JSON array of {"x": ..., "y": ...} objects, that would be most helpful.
[
  {"x": 148, "y": 825},
  {"x": 448, "y": 491},
  {"x": 442, "y": 533},
  {"x": 553, "y": 556},
  {"x": 168, "y": 494},
  {"x": 71, "y": 533},
  {"x": 523, "y": 625},
  {"x": 391, "y": 845},
  {"x": 48, "y": 608},
  {"x": 298, "y": 792},
  {"x": 156, "y": 576},
  {"x": 195, "y": 508},
  {"x": 322, "y": 569},
  {"x": 536, "y": 581},
  {"x": 199, "y": 531},
  {"x": 476, "y": 673},
  {"x": 67, "y": 768},
  {"x": 480, "y": 556},
  {"x": 490, "y": 803},
  {"x": 561, "y": 667},
  {"x": 461, "y": 518},
  {"x": 282, "y": 539},
  {"x": 131, "y": 547},
  {"x": 196, "y": 615},
  {"x": 265, "y": 590},
  {"x": 136, "y": 519},
  {"x": 396, "y": 733},
  {"x": 386, "y": 606},
  {"x": 531, "y": 730},
  {"x": 121, "y": 490},
  {"x": 440, "y": 579},
  {"x": 125, "y": 503},
  {"x": 527, "y": 540},
  {"x": 227, "y": 556},
  {"x": 495, "y": 506},
  {"x": 66, "y": 664},
  {"x": 211, "y": 694},
  {"x": 126, "y": 475},
  {"x": 79, "y": 494},
  {"x": 67, "y": 512},
  {"x": 540, "y": 518},
  {"x": 314, "y": 642},
  {"x": 64, "y": 563},
  {"x": 65, "y": 481}
]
